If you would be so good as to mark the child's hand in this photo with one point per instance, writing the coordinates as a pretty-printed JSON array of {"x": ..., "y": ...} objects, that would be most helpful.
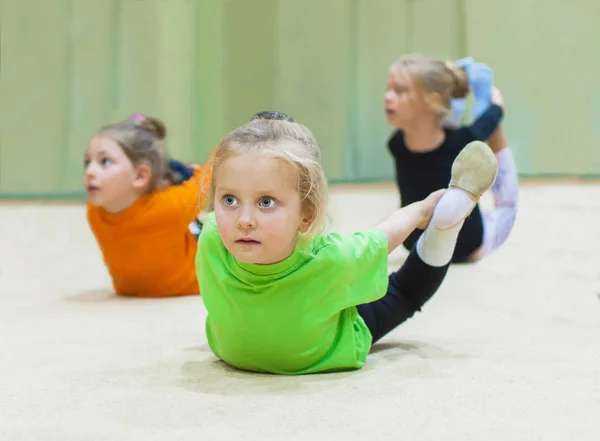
[
  {"x": 402, "y": 222},
  {"x": 428, "y": 206},
  {"x": 497, "y": 97}
]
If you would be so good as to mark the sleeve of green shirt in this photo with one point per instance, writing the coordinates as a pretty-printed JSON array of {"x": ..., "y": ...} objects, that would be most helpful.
[
  {"x": 212, "y": 234},
  {"x": 210, "y": 249},
  {"x": 360, "y": 261}
]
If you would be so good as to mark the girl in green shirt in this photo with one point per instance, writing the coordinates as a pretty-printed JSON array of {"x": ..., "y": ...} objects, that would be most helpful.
[{"x": 281, "y": 296}]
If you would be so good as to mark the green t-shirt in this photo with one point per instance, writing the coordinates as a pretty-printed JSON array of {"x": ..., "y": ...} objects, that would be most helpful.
[{"x": 297, "y": 316}]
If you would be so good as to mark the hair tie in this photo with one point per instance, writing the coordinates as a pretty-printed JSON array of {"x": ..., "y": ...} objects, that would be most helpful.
[{"x": 137, "y": 117}]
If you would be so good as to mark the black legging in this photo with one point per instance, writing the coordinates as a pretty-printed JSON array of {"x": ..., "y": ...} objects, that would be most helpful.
[
  {"x": 469, "y": 239},
  {"x": 409, "y": 289}
]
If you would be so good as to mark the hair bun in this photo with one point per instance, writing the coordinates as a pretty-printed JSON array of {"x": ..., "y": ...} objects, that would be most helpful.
[
  {"x": 272, "y": 115},
  {"x": 461, "y": 80},
  {"x": 154, "y": 126}
]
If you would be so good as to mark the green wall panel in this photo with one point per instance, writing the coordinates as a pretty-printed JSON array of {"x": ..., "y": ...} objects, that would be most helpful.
[
  {"x": 33, "y": 95},
  {"x": 381, "y": 37},
  {"x": 175, "y": 80},
  {"x": 70, "y": 66},
  {"x": 248, "y": 52},
  {"x": 87, "y": 83},
  {"x": 207, "y": 118},
  {"x": 313, "y": 76},
  {"x": 544, "y": 58},
  {"x": 383, "y": 34},
  {"x": 436, "y": 27}
]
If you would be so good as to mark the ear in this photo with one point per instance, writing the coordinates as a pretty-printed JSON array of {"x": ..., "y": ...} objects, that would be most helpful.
[
  {"x": 306, "y": 222},
  {"x": 433, "y": 100},
  {"x": 143, "y": 173}
]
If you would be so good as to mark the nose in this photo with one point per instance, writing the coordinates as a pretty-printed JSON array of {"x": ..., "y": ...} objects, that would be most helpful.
[
  {"x": 388, "y": 97},
  {"x": 246, "y": 220},
  {"x": 89, "y": 171}
]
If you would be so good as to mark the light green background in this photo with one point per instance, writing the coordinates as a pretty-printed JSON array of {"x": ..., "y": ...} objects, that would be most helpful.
[{"x": 205, "y": 66}]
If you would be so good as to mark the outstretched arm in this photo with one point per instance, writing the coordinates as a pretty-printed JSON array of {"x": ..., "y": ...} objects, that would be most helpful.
[
  {"x": 489, "y": 121},
  {"x": 192, "y": 196},
  {"x": 401, "y": 223},
  {"x": 497, "y": 140}
]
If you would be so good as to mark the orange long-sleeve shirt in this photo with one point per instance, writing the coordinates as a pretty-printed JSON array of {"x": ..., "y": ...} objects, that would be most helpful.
[{"x": 148, "y": 248}]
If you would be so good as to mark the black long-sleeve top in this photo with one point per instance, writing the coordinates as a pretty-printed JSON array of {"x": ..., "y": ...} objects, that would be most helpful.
[{"x": 418, "y": 174}]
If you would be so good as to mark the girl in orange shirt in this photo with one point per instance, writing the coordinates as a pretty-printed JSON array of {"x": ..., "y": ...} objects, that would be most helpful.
[{"x": 141, "y": 223}]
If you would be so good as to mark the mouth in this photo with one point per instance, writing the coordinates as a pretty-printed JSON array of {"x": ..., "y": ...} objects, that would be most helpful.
[
  {"x": 91, "y": 189},
  {"x": 247, "y": 242},
  {"x": 389, "y": 111}
]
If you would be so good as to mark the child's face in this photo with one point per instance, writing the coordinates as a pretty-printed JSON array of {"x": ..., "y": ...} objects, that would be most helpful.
[
  {"x": 109, "y": 177},
  {"x": 402, "y": 101},
  {"x": 258, "y": 208}
]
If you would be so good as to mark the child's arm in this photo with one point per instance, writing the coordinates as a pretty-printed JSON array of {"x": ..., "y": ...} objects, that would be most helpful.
[
  {"x": 489, "y": 121},
  {"x": 180, "y": 170},
  {"x": 400, "y": 224},
  {"x": 360, "y": 260},
  {"x": 192, "y": 195}
]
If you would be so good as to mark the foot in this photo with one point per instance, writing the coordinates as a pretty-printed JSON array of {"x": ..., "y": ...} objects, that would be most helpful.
[
  {"x": 452, "y": 209},
  {"x": 458, "y": 106},
  {"x": 474, "y": 170},
  {"x": 428, "y": 206},
  {"x": 481, "y": 80},
  {"x": 473, "y": 173}
]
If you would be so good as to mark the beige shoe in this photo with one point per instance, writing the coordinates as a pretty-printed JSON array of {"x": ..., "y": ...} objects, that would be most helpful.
[{"x": 474, "y": 170}]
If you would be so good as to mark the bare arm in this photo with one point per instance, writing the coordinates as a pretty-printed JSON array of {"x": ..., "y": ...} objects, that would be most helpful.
[
  {"x": 398, "y": 226},
  {"x": 497, "y": 140}
]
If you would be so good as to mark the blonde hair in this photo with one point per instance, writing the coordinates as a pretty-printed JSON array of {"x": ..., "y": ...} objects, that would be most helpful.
[
  {"x": 142, "y": 140},
  {"x": 264, "y": 136},
  {"x": 432, "y": 75}
]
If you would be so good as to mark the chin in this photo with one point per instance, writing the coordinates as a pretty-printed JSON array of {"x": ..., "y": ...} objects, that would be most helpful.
[
  {"x": 94, "y": 201},
  {"x": 392, "y": 122}
]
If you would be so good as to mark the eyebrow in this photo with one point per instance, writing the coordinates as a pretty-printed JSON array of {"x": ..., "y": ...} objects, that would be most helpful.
[
  {"x": 229, "y": 190},
  {"x": 99, "y": 152}
]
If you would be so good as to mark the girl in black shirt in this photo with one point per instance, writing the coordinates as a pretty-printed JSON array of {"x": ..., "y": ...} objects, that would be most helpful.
[{"x": 418, "y": 101}]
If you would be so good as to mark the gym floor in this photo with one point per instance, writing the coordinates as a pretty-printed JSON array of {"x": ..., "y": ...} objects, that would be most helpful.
[{"x": 507, "y": 349}]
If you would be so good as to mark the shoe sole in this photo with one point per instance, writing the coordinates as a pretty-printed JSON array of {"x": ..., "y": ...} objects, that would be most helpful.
[{"x": 473, "y": 171}]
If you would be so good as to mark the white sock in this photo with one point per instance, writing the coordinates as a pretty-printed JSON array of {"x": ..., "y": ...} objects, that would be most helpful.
[{"x": 436, "y": 245}]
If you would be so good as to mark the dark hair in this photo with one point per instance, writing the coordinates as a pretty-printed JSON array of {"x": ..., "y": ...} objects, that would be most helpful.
[{"x": 272, "y": 114}]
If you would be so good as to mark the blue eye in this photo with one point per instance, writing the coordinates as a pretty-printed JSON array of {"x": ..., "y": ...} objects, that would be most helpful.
[
  {"x": 266, "y": 202},
  {"x": 105, "y": 161},
  {"x": 229, "y": 200}
]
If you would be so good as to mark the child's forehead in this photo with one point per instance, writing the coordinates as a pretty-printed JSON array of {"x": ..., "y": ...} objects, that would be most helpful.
[
  {"x": 103, "y": 143},
  {"x": 247, "y": 161},
  {"x": 400, "y": 76},
  {"x": 250, "y": 171}
]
